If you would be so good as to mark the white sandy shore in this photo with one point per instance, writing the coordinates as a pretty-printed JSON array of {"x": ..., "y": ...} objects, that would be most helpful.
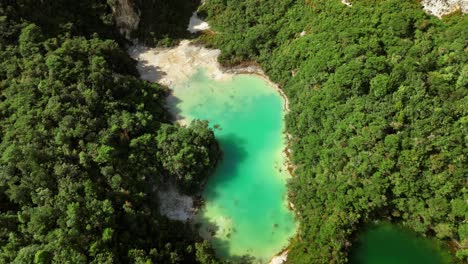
[{"x": 172, "y": 66}]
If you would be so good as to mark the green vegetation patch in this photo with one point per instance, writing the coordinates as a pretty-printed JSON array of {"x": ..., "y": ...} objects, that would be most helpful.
[
  {"x": 378, "y": 96},
  {"x": 84, "y": 144}
]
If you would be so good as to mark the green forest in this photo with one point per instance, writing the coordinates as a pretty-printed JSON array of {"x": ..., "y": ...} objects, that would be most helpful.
[
  {"x": 84, "y": 144},
  {"x": 379, "y": 117},
  {"x": 379, "y": 113}
]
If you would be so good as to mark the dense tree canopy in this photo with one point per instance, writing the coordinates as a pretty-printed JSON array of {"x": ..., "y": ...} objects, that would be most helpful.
[
  {"x": 84, "y": 144},
  {"x": 378, "y": 96}
]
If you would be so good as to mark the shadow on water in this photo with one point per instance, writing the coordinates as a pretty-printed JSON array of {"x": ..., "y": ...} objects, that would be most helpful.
[
  {"x": 223, "y": 252},
  {"x": 388, "y": 243},
  {"x": 222, "y": 245},
  {"x": 172, "y": 103},
  {"x": 234, "y": 153}
]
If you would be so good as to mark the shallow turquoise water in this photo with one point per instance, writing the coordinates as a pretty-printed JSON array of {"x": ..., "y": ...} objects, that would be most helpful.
[
  {"x": 246, "y": 196},
  {"x": 387, "y": 244}
]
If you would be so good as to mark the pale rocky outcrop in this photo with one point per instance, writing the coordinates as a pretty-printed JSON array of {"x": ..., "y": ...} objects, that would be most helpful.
[
  {"x": 127, "y": 17},
  {"x": 346, "y": 2},
  {"x": 280, "y": 259},
  {"x": 437, "y": 8},
  {"x": 170, "y": 66},
  {"x": 440, "y": 8},
  {"x": 196, "y": 24}
]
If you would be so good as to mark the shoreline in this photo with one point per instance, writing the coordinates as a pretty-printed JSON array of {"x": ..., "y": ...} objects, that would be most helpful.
[
  {"x": 255, "y": 69},
  {"x": 158, "y": 65}
]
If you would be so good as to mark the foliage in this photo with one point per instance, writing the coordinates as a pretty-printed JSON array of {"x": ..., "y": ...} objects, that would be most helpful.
[
  {"x": 185, "y": 155},
  {"x": 84, "y": 144},
  {"x": 378, "y": 96}
]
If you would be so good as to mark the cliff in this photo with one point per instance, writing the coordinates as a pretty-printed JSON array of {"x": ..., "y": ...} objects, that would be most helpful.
[{"x": 127, "y": 18}]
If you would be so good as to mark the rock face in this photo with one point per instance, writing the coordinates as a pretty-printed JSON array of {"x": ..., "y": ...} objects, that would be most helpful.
[
  {"x": 440, "y": 8},
  {"x": 196, "y": 24},
  {"x": 126, "y": 17}
]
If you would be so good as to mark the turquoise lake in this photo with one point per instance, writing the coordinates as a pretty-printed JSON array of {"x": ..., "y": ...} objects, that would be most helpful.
[
  {"x": 388, "y": 244},
  {"x": 245, "y": 211}
]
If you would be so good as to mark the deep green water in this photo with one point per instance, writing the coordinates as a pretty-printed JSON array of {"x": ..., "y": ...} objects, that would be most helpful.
[
  {"x": 387, "y": 244},
  {"x": 246, "y": 196}
]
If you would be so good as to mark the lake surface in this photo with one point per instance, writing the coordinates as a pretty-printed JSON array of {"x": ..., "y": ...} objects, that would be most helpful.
[
  {"x": 388, "y": 244},
  {"x": 245, "y": 200}
]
